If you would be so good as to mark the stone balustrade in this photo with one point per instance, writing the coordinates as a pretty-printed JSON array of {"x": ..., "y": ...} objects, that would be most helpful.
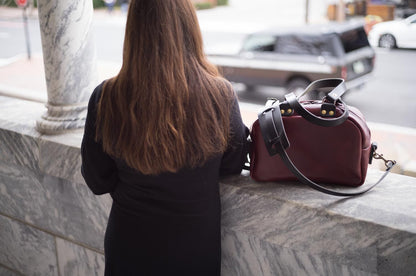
[{"x": 51, "y": 224}]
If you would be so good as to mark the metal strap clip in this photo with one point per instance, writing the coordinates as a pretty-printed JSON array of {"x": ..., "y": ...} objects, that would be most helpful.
[{"x": 388, "y": 163}]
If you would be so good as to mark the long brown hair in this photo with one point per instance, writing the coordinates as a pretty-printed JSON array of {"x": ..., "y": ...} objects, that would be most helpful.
[{"x": 168, "y": 108}]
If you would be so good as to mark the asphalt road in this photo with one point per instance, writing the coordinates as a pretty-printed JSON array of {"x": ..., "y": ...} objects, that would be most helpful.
[{"x": 389, "y": 97}]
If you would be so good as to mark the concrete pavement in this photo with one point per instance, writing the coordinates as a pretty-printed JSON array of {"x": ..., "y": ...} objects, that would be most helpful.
[{"x": 25, "y": 79}]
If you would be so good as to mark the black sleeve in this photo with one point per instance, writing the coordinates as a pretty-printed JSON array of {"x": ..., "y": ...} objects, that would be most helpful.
[
  {"x": 98, "y": 168},
  {"x": 236, "y": 154}
]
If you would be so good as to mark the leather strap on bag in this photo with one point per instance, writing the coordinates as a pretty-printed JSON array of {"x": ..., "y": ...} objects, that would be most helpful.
[
  {"x": 333, "y": 97},
  {"x": 274, "y": 135}
]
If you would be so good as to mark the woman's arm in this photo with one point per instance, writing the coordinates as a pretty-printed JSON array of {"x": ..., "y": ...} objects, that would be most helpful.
[
  {"x": 235, "y": 156},
  {"x": 98, "y": 168}
]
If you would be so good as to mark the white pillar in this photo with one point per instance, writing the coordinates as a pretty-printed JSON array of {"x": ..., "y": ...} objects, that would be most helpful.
[{"x": 70, "y": 62}]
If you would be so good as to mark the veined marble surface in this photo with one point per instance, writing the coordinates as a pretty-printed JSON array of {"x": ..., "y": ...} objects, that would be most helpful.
[
  {"x": 7, "y": 272},
  {"x": 70, "y": 63},
  {"x": 66, "y": 209},
  {"x": 40, "y": 178},
  {"x": 18, "y": 120},
  {"x": 75, "y": 260},
  {"x": 20, "y": 115},
  {"x": 267, "y": 228},
  {"x": 290, "y": 229},
  {"x": 68, "y": 50},
  {"x": 26, "y": 249}
]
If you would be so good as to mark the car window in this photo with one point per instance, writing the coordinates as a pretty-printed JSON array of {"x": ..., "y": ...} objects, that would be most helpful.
[
  {"x": 260, "y": 43},
  {"x": 354, "y": 39},
  {"x": 304, "y": 45},
  {"x": 411, "y": 19}
]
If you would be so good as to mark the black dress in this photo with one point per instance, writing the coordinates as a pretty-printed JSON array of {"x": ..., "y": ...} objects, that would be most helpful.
[{"x": 167, "y": 224}]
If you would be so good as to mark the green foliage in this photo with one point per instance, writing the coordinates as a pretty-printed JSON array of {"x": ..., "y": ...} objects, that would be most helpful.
[
  {"x": 222, "y": 2},
  {"x": 98, "y": 4},
  {"x": 203, "y": 5},
  {"x": 8, "y": 3},
  {"x": 12, "y": 3}
]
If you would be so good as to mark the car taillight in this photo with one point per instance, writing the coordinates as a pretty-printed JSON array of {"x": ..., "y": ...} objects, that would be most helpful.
[{"x": 344, "y": 72}]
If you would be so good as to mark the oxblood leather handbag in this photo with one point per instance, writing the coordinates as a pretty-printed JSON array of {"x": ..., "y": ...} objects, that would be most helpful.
[{"x": 315, "y": 142}]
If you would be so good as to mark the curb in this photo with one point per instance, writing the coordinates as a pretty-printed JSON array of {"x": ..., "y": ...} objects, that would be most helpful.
[{"x": 23, "y": 94}]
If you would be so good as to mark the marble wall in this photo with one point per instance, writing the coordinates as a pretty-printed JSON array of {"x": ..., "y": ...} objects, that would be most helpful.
[
  {"x": 51, "y": 224},
  {"x": 6, "y": 272},
  {"x": 287, "y": 229}
]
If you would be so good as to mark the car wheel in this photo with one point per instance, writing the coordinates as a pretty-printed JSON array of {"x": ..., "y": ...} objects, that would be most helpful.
[
  {"x": 387, "y": 41},
  {"x": 250, "y": 88}
]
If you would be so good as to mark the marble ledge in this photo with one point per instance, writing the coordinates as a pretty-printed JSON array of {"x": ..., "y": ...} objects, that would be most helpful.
[
  {"x": 20, "y": 116},
  {"x": 290, "y": 229},
  {"x": 370, "y": 233},
  {"x": 390, "y": 204},
  {"x": 29, "y": 148}
]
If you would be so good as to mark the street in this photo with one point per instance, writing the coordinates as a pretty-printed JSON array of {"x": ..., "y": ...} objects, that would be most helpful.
[{"x": 388, "y": 98}]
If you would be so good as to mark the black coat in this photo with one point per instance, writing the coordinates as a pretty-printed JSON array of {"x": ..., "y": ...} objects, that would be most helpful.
[{"x": 167, "y": 224}]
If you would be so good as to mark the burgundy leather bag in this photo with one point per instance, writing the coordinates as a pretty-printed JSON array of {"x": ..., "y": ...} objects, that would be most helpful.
[{"x": 325, "y": 142}]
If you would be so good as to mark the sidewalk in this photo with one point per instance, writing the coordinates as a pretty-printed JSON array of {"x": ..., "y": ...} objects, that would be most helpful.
[{"x": 395, "y": 142}]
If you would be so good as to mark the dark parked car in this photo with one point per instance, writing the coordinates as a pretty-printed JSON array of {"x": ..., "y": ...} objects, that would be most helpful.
[{"x": 294, "y": 57}]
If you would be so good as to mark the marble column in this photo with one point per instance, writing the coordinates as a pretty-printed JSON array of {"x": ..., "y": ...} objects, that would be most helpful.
[{"x": 70, "y": 63}]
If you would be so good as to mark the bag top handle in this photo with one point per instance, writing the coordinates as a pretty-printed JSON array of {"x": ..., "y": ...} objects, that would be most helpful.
[{"x": 334, "y": 96}]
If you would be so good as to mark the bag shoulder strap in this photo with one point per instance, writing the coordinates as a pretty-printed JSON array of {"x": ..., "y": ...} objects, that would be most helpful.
[{"x": 274, "y": 135}]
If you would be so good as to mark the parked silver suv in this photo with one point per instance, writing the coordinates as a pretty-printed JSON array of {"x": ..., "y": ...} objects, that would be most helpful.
[{"x": 294, "y": 57}]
